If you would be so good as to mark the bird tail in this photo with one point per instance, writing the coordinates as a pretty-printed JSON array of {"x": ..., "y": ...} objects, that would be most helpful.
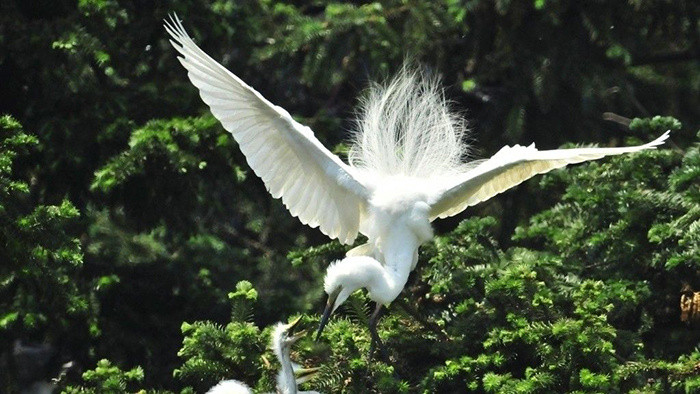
[{"x": 406, "y": 127}]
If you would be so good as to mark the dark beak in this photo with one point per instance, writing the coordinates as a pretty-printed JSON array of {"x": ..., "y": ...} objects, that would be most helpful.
[{"x": 327, "y": 312}]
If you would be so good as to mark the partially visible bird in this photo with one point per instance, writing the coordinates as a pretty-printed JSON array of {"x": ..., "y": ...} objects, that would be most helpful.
[
  {"x": 405, "y": 169},
  {"x": 230, "y": 387},
  {"x": 288, "y": 377}
]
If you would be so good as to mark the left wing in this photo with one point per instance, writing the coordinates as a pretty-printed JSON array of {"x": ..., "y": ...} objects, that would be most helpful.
[
  {"x": 314, "y": 184},
  {"x": 509, "y": 167}
]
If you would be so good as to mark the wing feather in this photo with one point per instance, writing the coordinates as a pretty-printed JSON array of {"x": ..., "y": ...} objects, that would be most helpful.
[
  {"x": 509, "y": 167},
  {"x": 313, "y": 183}
]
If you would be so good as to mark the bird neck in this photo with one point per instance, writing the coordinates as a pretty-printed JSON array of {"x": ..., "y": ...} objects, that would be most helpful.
[
  {"x": 281, "y": 345},
  {"x": 399, "y": 252},
  {"x": 388, "y": 284},
  {"x": 286, "y": 382}
]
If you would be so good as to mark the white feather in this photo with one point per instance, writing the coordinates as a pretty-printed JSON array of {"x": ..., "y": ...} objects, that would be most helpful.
[
  {"x": 406, "y": 128},
  {"x": 230, "y": 387},
  {"x": 509, "y": 167},
  {"x": 406, "y": 167},
  {"x": 276, "y": 146}
]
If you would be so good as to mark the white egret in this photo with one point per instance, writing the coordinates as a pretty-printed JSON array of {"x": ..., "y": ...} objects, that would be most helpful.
[
  {"x": 405, "y": 170},
  {"x": 230, "y": 387},
  {"x": 288, "y": 377}
]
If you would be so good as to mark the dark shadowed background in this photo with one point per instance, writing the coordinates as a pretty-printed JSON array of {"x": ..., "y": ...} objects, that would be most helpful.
[{"x": 127, "y": 213}]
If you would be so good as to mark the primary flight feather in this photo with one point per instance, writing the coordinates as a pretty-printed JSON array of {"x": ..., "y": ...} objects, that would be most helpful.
[
  {"x": 406, "y": 169},
  {"x": 315, "y": 185}
]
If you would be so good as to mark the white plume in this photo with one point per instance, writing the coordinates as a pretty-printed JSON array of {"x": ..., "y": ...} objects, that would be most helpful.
[{"x": 406, "y": 127}]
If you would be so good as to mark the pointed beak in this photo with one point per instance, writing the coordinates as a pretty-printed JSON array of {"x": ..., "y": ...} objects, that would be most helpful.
[
  {"x": 299, "y": 335},
  {"x": 293, "y": 324},
  {"x": 327, "y": 312},
  {"x": 305, "y": 374}
]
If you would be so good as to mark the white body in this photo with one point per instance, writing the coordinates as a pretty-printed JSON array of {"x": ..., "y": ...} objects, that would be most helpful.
[
  {"x": 406, "y": 168},
  {"x": 396, "y": 225}
]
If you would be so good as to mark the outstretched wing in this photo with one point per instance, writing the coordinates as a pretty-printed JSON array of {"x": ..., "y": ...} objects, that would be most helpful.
[
  {"x": 509, "y": 167},
  {"x": 315, "y": 185}
]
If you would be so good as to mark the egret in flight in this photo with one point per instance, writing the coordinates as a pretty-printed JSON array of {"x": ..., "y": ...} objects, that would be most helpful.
[
  {"x": 406, "y": 168},
  {"x": 288, "y": 377}
]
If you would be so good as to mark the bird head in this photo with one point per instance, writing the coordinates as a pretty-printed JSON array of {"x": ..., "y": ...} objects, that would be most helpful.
[
  {"x": 343, "y": 278},
  {"x": 283, "y": 337}
]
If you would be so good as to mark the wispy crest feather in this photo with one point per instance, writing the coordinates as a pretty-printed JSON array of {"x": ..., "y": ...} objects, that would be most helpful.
[
  {"x": 278, "y": 338},
  {"x": 405, "y": 127}
]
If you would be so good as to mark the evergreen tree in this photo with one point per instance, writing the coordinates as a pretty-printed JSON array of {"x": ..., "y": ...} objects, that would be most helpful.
[
  {"x": 128, "y": 215},
  {"x": 41, "y": 300}
]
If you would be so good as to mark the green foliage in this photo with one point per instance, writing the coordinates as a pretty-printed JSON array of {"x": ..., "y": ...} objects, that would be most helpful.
[
  {"x": 517, "y": 319},
  {"x": 127, "y": 212},
  {"x": 107, "y": 378},
  {"x": 570, "y": 309},
  {"x": 220, "y": 236},
  {"x": 654, "y": 125},
  {"x": 664, "y": 376},
  {"x": 242, "y": 301},
  {"x": 212, "y": 353},
  {"x": 41, "y": 257}
]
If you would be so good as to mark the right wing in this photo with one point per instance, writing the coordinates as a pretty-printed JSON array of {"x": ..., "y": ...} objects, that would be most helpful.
[
  {"x": 509, "y": 167},
  {"x": 315, "y": 185}
]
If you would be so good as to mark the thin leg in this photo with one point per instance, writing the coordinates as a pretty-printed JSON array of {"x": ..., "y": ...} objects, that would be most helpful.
[{"x": 376, "y": 341}]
